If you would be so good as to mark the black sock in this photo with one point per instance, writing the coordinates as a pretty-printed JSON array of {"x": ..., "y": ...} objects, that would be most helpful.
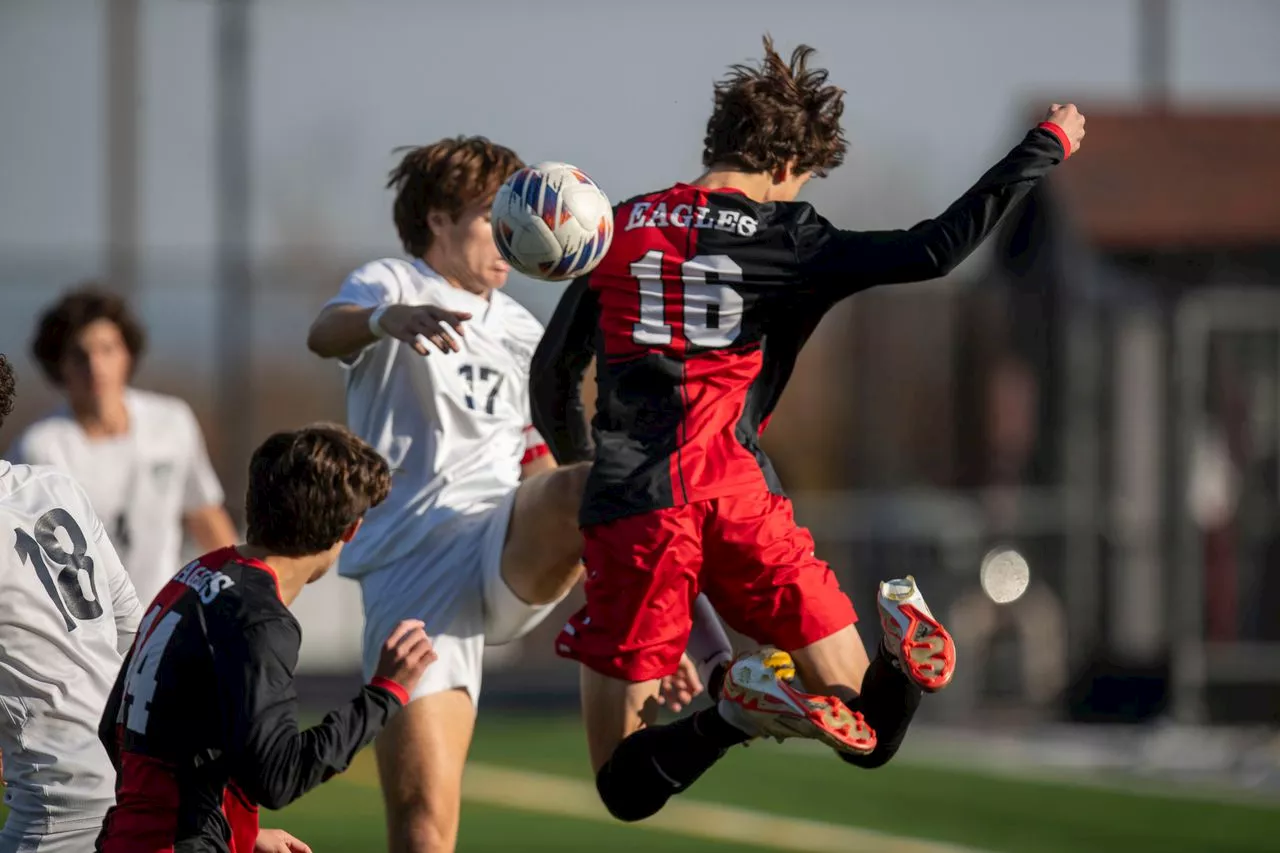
[
  {"x": 708, "y": 724},
  {"x": 888, "y": 702},
  {"x": 655, "y": 763}
]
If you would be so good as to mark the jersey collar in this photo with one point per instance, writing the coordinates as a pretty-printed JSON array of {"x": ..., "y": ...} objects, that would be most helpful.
[
  {"x": 231, "y": 554},
  {"x": 480, "y": 307},
  {"x": 421, "y": 266},
  {"x": 712, "y": 190}
]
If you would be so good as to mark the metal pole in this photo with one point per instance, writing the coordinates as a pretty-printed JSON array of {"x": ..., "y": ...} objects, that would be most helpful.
[
  {"x": 1080, "y": 458},
  {"x": 1137, "y": 625},
  {"x": 235, "y": 290},
  {"x": 123, "y": 107},
  {"x": 1186, "y": 599},
  {"x": 1155, "y": 31},
  {"x": 1189, "y": 667}
]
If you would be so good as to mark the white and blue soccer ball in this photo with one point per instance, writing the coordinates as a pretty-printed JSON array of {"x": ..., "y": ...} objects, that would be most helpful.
[{"x": 552, "y": 222}]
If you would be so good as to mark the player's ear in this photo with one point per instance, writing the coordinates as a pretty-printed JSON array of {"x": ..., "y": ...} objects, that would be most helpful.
[
  {"x": 350, "y": 532},
  {"x": 438, "y": 221},
  {"x": 782, "y": 174}
]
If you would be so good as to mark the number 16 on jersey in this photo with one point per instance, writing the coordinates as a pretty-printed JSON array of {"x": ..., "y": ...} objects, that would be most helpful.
[{"x": 710, "y": 309}]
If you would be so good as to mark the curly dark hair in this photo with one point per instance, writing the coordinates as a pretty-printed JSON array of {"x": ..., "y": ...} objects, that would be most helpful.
[
  {"x": 777, "y": 112},
  {"x": 77, "y": 308},
  {"x": 447, "y": 175},
  {"x": 306, "y": 486},
  {"x": 8, "y": 388}
]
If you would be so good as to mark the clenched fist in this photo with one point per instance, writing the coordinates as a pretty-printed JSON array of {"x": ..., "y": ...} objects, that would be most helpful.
[{"x": 1071, "y": 120}]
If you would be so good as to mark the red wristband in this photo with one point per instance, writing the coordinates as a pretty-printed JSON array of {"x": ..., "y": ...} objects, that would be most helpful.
[
  {"x": 402, "y": 695},
  {"x": 1060, "y": 133},
  {"x": 534, "y": 453}
]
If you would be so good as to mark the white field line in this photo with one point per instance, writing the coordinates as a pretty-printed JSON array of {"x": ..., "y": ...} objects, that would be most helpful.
[
  {"x": 557, "y": 795},
  {"x": 544, "y": 793}
]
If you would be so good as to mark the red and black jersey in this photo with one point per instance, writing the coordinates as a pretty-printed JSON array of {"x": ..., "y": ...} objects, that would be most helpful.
[
  {"x": 697, "y": 315},
  {"x": 202, "y": 722}
]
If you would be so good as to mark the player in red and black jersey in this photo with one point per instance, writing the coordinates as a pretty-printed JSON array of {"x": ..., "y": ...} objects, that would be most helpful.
[
  {"x": 696, "y": 317},
  {"x": 202, "y": 723}
]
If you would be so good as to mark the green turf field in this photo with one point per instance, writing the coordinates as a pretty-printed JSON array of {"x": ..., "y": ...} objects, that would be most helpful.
[{"x": 529, "y": 790}]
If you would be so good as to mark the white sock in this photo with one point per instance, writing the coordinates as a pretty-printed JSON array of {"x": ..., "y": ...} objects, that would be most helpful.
[{"x": 709, "y": 645}]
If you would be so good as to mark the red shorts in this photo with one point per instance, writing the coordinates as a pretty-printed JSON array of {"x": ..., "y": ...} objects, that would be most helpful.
[{"x": 746, "y": 552}]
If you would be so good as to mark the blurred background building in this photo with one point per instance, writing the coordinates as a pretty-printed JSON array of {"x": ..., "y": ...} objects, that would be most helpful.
[{"x": 1099, "y": 388}]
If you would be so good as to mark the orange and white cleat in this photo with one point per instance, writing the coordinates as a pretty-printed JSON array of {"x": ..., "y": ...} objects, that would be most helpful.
[
  {"x": 760, "y": 698},
  {"x": 917, "y": 642}
]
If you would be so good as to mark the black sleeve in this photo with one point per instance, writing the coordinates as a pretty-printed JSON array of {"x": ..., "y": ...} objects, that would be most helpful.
[
  {"x": 108, "y": 727},
  {"x": 837, "y": 263},
  {"x": 271, "y": 761},
  {"x": 555, "y": 383}
]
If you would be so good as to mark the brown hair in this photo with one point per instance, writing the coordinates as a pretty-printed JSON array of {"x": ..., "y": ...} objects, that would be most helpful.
[
  {"x": 77, "y": 308},
  {"x": 308, "y": 485},
  {"x": 447, "y": 176},
  {"x": 8, "y": 388},
  {"x": 775, "y": 113}
]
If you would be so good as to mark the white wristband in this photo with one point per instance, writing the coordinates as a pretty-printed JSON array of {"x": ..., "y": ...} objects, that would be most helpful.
[{"x": 375, "y": 322}]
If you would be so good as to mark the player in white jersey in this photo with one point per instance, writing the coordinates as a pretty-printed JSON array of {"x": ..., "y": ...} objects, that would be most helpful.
[
  {"x": 140, "y": 456},
  {"x": 67, "y": 614},
  {"x": 479, "y": 537}
]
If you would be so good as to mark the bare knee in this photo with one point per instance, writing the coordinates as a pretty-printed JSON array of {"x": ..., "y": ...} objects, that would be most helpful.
[
  {"x": 560, "y": 502},
  {"x": 541, "y": 560},
  {"x": 834, "y": 664},
  {"x": 420, "y": 759},
  {"x": 566, "y": 489},
  {"x": 427, "y": 825},
  {"x": 422, "y": 817}
]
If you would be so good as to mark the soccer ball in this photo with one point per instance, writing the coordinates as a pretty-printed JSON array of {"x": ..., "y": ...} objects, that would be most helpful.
[{"x": 552, "y": 222}]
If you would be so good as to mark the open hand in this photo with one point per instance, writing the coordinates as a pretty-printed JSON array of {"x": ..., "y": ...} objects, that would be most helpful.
[
  {"x": 406, "y": 654},
  {"x": 417, "y": 325},
  {"x": 677, "y": 690}
]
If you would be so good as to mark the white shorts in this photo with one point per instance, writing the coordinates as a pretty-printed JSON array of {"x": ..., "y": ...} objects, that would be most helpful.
[
  {"x": 77, "y": 836},
  {"x": 458, "y": 591}
]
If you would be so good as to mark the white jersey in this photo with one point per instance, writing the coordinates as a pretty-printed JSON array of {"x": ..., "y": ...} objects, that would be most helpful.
[
  {"x": 455, "y": 427},
  {"x": 67, "y": 614},
  {"x": 141, "y": 484}
]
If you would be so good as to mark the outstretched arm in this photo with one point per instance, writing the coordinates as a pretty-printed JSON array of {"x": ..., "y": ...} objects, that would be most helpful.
[
  {"x": 838, "y": 263},
  {"x": 559, "y": 364},
  {"x": 274, "y": 762},
  {"x": 344, "y": 331},
  {"x": 370, "y": 307}
]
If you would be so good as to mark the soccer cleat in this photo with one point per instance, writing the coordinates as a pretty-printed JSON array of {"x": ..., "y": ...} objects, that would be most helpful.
[
  {"x": 914, "y": 640},
  {"x": 759, "y": 698}
]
